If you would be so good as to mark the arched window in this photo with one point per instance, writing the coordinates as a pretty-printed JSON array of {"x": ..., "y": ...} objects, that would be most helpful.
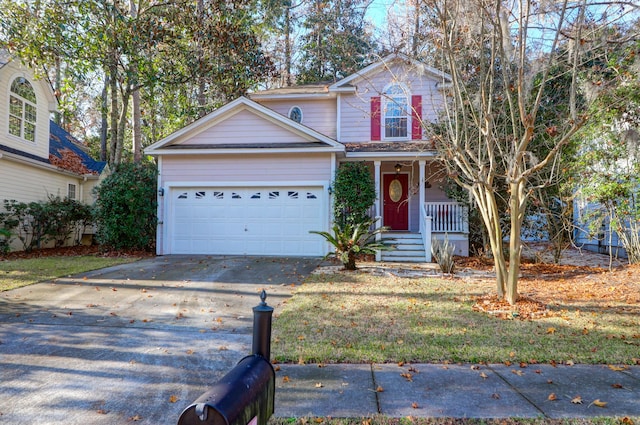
[
  {"x": 295, "y": 114},
  {"x": 22, "y": 110},
  {"x": 396, "y": 112}
]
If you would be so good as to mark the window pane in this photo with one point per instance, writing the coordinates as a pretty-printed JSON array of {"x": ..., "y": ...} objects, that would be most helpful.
[
  {"x": 15, "y": 106},
  {"x": 29, "y": 113},
  {"x": 22, "y": 88},
  {"x": 14, "y": 126},
  {"x": 30, "y": 132},
  {"x": 396, "y": 127}
]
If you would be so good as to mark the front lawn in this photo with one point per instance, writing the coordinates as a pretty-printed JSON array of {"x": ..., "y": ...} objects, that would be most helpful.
[
  {"x": 26, "y": 271},
  {"x": 360, "y": 317}
]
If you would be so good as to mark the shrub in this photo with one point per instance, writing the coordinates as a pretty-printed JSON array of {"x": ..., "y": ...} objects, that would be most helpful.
[
  {"x": 354, "y": 193},
  {"x": 125, "y": 210}
]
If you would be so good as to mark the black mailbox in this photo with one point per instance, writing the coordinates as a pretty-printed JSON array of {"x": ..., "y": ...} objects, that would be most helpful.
[{"x": 243, "y": 396}]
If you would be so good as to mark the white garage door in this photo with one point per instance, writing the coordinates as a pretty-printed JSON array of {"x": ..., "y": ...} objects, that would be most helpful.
[{"x": 247, "y": 220}]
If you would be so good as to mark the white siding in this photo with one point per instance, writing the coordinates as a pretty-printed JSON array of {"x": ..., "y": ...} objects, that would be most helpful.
[
  {"x": 318, "y": 114},
  {"x": 244, "y": 127},
  {"x": 355, "y": 116},
  {"x": 26, "y": 183}
]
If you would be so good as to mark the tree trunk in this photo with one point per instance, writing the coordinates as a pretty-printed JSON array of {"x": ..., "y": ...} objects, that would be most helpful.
[
  {"x": 104, "y": 126},
  {"x": 287, "y": 47},
  {"x": 351, "y": 261},
  {"x": 137, "y": 114},
  {"x": 113, "y": 142}
]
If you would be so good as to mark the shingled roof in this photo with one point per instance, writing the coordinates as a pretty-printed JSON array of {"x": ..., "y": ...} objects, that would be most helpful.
[
  {"x": 65, "y": 152},
  {"x": 68, "y": 153}
]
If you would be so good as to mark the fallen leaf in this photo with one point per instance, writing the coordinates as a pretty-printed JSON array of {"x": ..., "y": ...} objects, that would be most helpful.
[
  {"x": 496, "y": 396},
  {"x": 483, "y": 375},
  {"x": 570, "y": 363},
  {"x": 552, "y": 397},
  {"x": 576, "y": 400},
  {"x": 599, "y": 403},
  {"x": 319, "y": 420},
  {"x": 135, "y": 418},
  {"x": 101, "y": 412},
  {"x": 617, "y": 385},
  {"x": 617, "y": 368},
  {"x": 517, "y": 372},
  {"x": 319, "y": 385},
  {"x": 407, "y": 376},
  {"x": 414, "y": 405},
  {"x": 379, "y": 389},
  {"x": 285, "y": 379},
  {"x": 551, "y": 330},
  {"x": 277, "y": 368},
  {"x": 173, "y": 399},
  {"x": 627, "y": 420},
  {"x": 475, "y": 367},
  {"x": 190, "y": 351}
]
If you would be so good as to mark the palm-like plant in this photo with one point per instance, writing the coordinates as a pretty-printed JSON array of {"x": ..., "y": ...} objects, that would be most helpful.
[{"x": 352, "y": 239}]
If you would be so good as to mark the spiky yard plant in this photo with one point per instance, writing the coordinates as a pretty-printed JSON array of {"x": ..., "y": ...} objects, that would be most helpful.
[{"x": 352, "y": 239}]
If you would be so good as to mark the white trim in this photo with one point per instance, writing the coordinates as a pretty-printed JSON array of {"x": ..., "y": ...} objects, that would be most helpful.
[
  {"x": 421, "y": 192},
  {"x": 338, "y": 115},
  {"x": 240, "y": 149},
  {"x": 390, "y": 155},
  {"x": 290, "y": 96},
  {"x": 301, "y": 114},
  {"x": 382, "y": 64}
]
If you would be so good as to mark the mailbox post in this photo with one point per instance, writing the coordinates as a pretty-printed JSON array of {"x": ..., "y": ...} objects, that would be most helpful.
[{"x": 245, "y": 395}]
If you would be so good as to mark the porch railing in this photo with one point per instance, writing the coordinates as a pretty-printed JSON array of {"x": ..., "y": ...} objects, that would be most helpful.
[{"x": 447, "y": 217}]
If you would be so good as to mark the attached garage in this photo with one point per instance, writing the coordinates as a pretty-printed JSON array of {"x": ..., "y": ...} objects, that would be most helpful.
[
  {"x": 247, "y": 220},
  {"x": 244, "y": 180}
]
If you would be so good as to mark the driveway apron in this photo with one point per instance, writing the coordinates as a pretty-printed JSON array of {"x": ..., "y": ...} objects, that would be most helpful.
[{"x": 132, "y": 343}]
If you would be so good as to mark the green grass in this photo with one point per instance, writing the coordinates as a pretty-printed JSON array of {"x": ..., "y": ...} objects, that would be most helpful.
[
  {"x": 362, "y": 318},
  {"x": 23, "y": 272}
]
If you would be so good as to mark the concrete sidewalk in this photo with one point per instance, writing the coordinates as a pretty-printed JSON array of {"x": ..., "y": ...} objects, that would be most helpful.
[{"x": 457, "y": 391}]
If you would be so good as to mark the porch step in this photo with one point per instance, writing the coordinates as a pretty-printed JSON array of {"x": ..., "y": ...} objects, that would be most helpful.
[{"x": 409, "y": 248}]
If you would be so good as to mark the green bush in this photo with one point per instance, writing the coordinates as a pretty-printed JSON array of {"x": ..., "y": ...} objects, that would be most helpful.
[
  {"x": 354, "y": 194},
  {"x": 125, "y": 210},
  {"x": 36, "y": 223}
]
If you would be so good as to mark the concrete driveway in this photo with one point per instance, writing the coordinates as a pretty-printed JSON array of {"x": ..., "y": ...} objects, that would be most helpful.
[{"x": 135, "y": 343}]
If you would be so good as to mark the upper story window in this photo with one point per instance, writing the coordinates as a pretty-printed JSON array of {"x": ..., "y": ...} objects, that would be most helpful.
[
  {"x": 295, "y": 114},
  {"x": 22, "y": 110},
  {"x": 396, "y": 112}
]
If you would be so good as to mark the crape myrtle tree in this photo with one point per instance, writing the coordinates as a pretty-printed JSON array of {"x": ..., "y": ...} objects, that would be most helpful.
[{"x": 493, "y": 51}]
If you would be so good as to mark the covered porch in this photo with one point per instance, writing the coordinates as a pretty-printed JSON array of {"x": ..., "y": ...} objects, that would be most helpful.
[{"x": 413, "y": 203}]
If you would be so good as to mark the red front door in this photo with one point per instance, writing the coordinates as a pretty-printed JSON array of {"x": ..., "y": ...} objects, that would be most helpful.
[{"x": 396, "y": 205}]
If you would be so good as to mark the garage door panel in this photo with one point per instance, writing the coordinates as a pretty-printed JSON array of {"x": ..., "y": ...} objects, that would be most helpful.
[{"x": 247, "y": 220}]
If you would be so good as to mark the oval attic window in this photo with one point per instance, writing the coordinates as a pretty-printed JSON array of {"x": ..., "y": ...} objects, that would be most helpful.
[{"x": 296, "y": 114}]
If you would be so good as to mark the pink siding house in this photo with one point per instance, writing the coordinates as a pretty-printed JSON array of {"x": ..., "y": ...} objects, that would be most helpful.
[{"x": 253, "y": 177}]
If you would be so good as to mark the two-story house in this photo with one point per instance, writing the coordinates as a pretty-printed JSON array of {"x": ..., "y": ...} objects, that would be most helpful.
[
  {"x": 254, "y": 176},
  {"x": 38, "y": 159}
]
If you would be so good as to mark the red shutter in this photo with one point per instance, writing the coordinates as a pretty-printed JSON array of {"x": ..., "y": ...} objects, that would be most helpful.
[
  {"x": 375, "y": 118},
  {"x": 416, "y": 117}
]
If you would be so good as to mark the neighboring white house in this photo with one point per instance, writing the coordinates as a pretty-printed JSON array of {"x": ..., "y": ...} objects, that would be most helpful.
[
  {"x": 253, "y": 177},
  {"x": 37, "y": 157}
]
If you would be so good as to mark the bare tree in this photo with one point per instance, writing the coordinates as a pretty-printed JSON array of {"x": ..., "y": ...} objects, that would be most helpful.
[{"x": 501, "y": 55}]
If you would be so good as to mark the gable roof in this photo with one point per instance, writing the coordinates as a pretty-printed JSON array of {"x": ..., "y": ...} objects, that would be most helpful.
[
  {"x": 308, "y": 140},
  {"x": 346, "y": 84}
]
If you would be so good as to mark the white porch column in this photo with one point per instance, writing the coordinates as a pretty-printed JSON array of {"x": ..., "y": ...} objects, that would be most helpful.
[
  {"x": 421, "y": 196},
  {"x": 378, "y": 203}
]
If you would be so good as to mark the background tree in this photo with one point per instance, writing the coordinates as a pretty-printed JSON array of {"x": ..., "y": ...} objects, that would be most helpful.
[
  {"x": 493, "y": 51},
  {"x": 336, "y": 42},
  {"x": 607, "y": 172}
]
